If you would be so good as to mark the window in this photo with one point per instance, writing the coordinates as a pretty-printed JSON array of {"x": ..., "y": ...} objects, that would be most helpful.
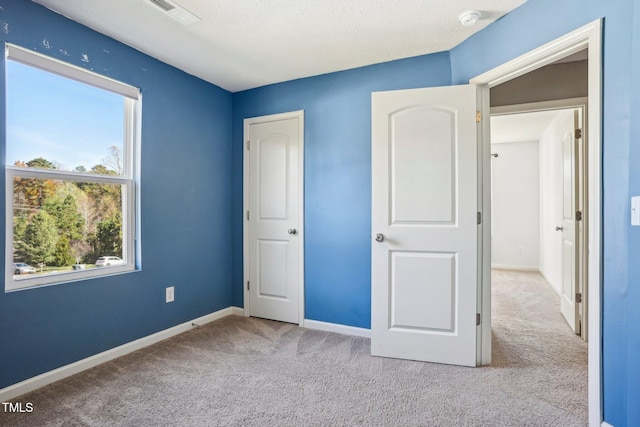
[{"x": 71, "y": 167}]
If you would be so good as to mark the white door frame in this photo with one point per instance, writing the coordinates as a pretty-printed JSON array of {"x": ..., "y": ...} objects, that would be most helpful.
[
  {"x": 588, "y": 36},
  {"x": 245, "y": 205}
]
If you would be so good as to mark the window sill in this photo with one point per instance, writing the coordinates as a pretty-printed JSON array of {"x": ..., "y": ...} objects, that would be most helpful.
[{"x": 53, "y": 279}]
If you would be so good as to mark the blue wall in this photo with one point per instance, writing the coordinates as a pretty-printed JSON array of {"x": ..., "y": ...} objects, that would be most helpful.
[
  {"x": 633, "y": 298},
  {"x": 337, "y": 177},
  {"x": 531, "y": 25},
  {"x": 185, "y": 204}
]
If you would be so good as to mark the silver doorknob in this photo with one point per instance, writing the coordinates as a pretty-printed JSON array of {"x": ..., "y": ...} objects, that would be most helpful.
[
  {"x": 379, "y": 237},
  {"x": 292, "y": 231},
  {"x": 558, "y": 228}
]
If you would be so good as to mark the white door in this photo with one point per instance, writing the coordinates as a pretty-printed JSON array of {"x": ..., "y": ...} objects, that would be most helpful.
[
  {"x": 570, "y": 264},
  {"x": 274, "y": 217},
  {"x": 424, "y": 224}
]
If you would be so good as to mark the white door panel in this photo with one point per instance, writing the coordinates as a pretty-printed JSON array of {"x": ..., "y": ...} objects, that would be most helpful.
[
  {"x": 424, "y": 205},
  {"x": 430, "y": 204},
  {"x": 271, "y": 266},
  {"x": 274, "y": 214},
  {"x": 437, "y": 296},
  {"x": 570, "y": 267},
  {"x": 273, "y": 167}
]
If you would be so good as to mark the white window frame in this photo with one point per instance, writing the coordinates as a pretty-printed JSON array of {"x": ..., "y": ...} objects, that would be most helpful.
[{"x": 129, "y": 180}]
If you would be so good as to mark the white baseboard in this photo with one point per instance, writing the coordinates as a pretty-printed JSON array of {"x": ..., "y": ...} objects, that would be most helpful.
[
  {"x": 334, "y": 327},
  {"x": 606, "y": 424},
  {"x": 513, "y": 267},
  {"x": 47, "y": 378}
]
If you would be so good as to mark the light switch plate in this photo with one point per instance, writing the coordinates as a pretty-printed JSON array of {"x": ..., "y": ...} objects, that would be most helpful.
[
  {"x": 170, "y": 295},
  {"x": 635, "y": 210}
]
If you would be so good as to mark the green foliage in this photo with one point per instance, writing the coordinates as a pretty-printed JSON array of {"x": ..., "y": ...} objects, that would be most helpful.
[
  {"x": 65, "y": 211},
  {"x": 39, "y": 239},
  {"x": 20, "y": 223},
  {"x": 62, "y": 254},
  {"x": 40, "y": 163},
  {"x": 29, "y": 193},
  {"x": 105, "y": 198},
  {"x": 63, "y": 222},
  {"x": 19, "y": 226},
  {"x": 102, "y": 170},
  {"x": 108, "y": 237}
]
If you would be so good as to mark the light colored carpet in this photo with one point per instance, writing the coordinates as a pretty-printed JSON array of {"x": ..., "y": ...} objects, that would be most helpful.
[{"x": 251, "y": 372}]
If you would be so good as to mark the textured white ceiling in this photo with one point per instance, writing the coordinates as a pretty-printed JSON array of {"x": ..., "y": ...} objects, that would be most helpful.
[{"x": 242, "y": 44}]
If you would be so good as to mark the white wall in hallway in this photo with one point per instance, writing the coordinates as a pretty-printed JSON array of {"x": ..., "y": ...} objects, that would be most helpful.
[
  {"x": 516, "y": 205},
  {"x": 551, "y": 197}
]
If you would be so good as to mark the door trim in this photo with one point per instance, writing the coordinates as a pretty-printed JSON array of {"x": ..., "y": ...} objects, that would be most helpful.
[
  {"x": 530, "y": 107},
  {"x": 245, "y": 205},
  {"x": 588, "y": 36}
]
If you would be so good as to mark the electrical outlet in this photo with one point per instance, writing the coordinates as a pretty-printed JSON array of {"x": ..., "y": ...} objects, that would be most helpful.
[{"x": 170, "y": 294}]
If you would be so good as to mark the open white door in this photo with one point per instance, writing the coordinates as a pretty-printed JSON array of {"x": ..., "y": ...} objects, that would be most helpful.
[
  {"x": 570, "y": 255},
  {"x": 424, "y": 224}
]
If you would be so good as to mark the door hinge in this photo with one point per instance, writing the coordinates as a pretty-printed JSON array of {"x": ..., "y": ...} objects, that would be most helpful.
[
  {"x": 248, "y": 145},
  {"x": 478, "y": 116},
  {"x": 477, "y": 319},
  {"x": 248, "y": 216},
  {"x": 578, "y": 297},
  {"x": 248, "y": 285},
  {"x": 479, "y": 218},
  {"x": 578, "y": 215},
  {"x": 578, "y": 133}
]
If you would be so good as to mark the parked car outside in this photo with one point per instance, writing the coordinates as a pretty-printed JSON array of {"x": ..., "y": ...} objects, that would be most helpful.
[
  {"x": 107, "y": 261},
  {"x": 23, "y": 268}
]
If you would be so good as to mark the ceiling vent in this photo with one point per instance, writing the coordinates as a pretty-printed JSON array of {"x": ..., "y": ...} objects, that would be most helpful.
[{"x": 175, "y": 11}]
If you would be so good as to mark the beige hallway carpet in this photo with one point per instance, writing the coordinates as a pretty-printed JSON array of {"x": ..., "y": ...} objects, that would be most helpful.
[{"x": 252, "y": 372}]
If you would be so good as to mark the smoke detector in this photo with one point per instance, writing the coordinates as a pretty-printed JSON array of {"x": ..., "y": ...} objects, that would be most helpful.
[
  {"x": 175, "y": 11},
  {"x": 469, "y": 18}
]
